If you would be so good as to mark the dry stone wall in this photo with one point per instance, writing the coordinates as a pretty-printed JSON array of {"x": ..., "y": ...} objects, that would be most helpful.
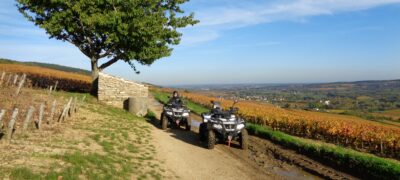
[{"x": 116, "y": 91}]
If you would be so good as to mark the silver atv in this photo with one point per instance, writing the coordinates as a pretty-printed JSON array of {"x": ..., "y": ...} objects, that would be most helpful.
[
  {"x": 220, "y": 126},
  {"x": 175, "y": 115}
]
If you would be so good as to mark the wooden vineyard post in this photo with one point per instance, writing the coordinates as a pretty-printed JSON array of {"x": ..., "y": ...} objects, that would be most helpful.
[
  {"x": 41, "y": 114},
  {"x": 51, "y": 88},
  {"x": 3, "y": 74},
  {"x": 73, "y": 107},
  {"x": 9, "y": 79},
  {"x": 28, "y": 118},
  {"x": 70, "y": 110},
  {"x": 52, "y": 111},
  {"x": 11, "y": 124},
  {"x": 15, "y": 80},
  {"x": 67, "y": 113},
  {"x": 55, "y": 86},
  {"x": 21, "y": 83},
  {"x": 65, "y": 110},
  {"x": 76, "y": 104},
  {"x": 62, "y": 113},
  {"x": 2, "y": 112},
  {"x": 79, "y": 104}
]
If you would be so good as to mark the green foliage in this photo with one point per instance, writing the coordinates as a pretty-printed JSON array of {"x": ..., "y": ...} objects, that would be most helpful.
[
  {"x": 313, "y": 105},
  {"x": 363, "y": 164},
  {"x": 150, "y": 116},
  {"x": 127, "y": 30}
]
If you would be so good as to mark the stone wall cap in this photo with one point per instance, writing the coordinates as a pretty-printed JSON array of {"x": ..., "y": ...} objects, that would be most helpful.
[{"x": 121, "y": 79}]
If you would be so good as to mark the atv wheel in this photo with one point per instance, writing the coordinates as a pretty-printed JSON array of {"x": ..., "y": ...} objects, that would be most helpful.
[
  {"x": 244, "y": 139},
  {"x": 210, "y": 139},
  {"x": 164, "y": 122},
  {"x": 187, "y": 126},
  {"x": 202, "y": 131},
  {"x": 162, "y": 117}
]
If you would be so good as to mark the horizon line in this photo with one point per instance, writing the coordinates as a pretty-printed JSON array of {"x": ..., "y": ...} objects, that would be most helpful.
[{"x": 284, "y": 83}]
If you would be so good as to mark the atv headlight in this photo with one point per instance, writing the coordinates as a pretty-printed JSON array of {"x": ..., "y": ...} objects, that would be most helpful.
[
  {"x": 185, "y": 114},
  {"x": 169, "y": 113},
  {"x": 217, "y": 126},
  {"x": 240, "y": 126}
]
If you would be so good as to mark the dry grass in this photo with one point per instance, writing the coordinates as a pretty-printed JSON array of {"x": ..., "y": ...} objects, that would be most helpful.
[{"x": 99, "y": 142}]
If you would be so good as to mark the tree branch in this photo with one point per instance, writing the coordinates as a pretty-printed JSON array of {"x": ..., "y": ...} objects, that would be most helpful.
[
  {"x": 109, "y": 63},
  {"x": 107, "y": 53}
]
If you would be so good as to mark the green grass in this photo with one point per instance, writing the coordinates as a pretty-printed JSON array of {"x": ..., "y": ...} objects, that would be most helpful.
[
  {"x": 360, "y": 164},
  {"x": 22, "y": 173},
  {"x": 163, "y": 98},
  {"x": 93, "y": 165},
  {"x": 196, "y": 108}
]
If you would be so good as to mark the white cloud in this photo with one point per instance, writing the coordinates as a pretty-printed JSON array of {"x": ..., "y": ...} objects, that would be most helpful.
[
  {"x": 193, "y": 37},
  {"x": 261, "y": 13},
  {"x": 227, "y": 16}
]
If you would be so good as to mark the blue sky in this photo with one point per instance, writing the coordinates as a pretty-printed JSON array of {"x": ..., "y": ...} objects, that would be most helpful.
[{"x": 248, "y": 41}]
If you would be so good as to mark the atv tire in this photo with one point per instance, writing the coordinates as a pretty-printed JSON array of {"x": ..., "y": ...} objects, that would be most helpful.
[
  {"x": 162, "y": 116},
  {"x": 164, "y": 122},
  {"x": 187, "y": 126},
  {"x": 244, "y": 139},
  {"x": 202, "y": 131},
  {"x": 210, "y": 139}
]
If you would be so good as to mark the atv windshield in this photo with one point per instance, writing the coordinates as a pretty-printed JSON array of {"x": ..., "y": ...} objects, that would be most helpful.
[{"x": 218, "y": 112}]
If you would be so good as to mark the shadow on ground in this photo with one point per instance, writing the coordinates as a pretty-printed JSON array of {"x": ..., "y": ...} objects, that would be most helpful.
[{"x": 189, "y": 137}]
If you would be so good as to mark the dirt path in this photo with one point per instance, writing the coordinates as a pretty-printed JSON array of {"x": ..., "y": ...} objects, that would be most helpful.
[{"x": 186, "y": 158}]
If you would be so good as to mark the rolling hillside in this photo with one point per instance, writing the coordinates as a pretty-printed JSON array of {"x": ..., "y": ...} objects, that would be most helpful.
[
  {"x": 47, "y": 65},
  {"x": 45, "y": 75}
]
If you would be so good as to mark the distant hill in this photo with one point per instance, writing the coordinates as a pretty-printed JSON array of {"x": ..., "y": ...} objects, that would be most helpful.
[
  {"x": 334, "y": 86},
  {"x": 47, "y": 65}
]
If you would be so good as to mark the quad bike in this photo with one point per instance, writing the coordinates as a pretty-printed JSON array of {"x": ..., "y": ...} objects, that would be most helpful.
[
  {"x": 223, "y": 126},
  {"x": 175, "y": 115}
]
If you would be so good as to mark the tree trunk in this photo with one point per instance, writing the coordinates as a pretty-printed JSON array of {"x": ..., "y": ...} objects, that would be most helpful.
[
  {"x": 95, "y": 69},
  {"x": 95, "y": 75}
]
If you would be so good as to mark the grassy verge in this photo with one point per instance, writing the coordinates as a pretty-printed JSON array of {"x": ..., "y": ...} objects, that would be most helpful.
[
  {"x": 361, "y": 164},
  {"x": 163, "y": 98},
  {"x": 357, "y": 163}
]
